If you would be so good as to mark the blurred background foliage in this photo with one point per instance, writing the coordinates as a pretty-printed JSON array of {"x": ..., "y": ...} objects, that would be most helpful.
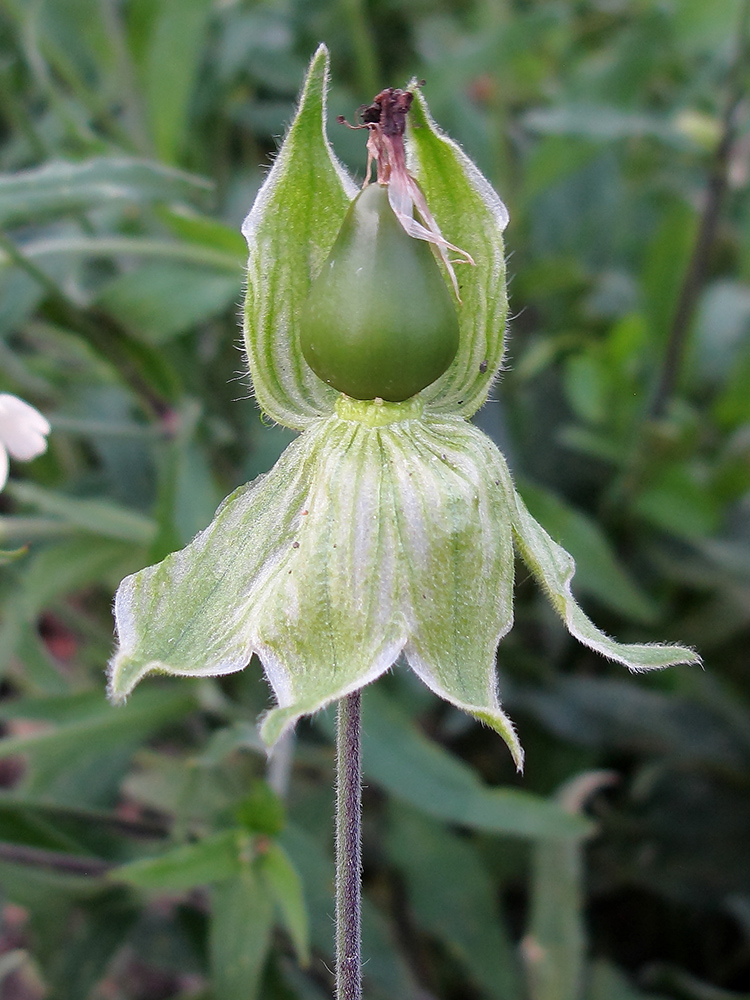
[{"x": 148, "y": 852}]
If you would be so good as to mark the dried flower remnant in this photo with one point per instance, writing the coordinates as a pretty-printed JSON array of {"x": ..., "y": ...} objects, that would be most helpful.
[{"x": 385, "y": 119}]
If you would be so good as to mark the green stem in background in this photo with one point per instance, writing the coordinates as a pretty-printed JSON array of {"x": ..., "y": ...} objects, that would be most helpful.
[
  {"x": 349, "y": 848},
  {"x": 365, "y": 56},
  {"x": 279, "y": 770},
  {"x": 133, "y": 112},
  {"x": 695, "y": 275}
]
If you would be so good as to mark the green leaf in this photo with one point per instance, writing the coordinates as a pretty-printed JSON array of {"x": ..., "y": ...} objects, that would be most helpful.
[
  {"x": 598, "y": 571},
  {"x": 84, "y": 761},
  {"x": 30, "y": 529},
  {"x": 471, "y": 216},
  {"x": 664, "y": 267},
  {"x": 160, "y": 300},
  {"x": 678, "y": 501},
  {"x": 10, "y": 555},
  {"x": 451, "y": 897},
  {"x": 607, "y": 983},
  {"x": 261, "y": 810},
  {"x": 599, "y": 122},
  {"x": 586, "y": 387},
  {"x": 400, "y": 759},
  {"x": 104, "y": 729},
  {"x": 58, "y": 188},
  {"x": 618, "y": 715},
  {"x": 97, "y": 517},
  {"x": 554, "y": 945},
  {"x": 240, "y": 935},
  {"x": 240, "y": 735},
  {"x": 225, "y": 264},
  {"x": 203, "y": 230},
  {"x": 41, "y": 890},
  {"x": 553, "y": 160},
  {"x": 286, "y": 888},
  {"x": 720, "y": 337},
  {"x": 290, "y": 230},
  {"x": 170, "y": 70},
  {"x": 215, "y": 858},
  {"x": 32, "y": 826}
]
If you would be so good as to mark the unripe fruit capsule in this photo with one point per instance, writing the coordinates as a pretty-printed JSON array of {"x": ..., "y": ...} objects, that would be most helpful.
[{"x": 379, "y": 320}]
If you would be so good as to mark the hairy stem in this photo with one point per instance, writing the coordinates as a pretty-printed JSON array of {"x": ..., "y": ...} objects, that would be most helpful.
[{"x": 348, "y": 849}]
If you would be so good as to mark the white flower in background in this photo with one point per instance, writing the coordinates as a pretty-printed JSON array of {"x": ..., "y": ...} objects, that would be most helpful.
[{"x": 23, "y": 432}]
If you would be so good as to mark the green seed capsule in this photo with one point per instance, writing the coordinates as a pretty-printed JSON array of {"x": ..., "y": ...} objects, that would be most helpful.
[{"x": 379, "y": 320}]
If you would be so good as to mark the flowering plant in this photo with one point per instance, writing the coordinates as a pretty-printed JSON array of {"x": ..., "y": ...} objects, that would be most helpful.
[{"x": 389, "y": 526}]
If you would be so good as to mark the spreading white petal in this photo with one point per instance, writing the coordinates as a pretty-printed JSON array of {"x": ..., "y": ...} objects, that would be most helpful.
[
  {"x": 23, "y": 429},
  {"x": 3, "y": 467}
]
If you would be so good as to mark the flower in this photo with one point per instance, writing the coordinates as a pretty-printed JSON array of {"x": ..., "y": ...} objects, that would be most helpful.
[
  {"x": 23, "y": 432},
  {"x": 385, "y": 528}
]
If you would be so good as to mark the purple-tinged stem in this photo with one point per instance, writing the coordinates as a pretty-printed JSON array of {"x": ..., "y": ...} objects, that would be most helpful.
[{"x": 349, "y": 849}]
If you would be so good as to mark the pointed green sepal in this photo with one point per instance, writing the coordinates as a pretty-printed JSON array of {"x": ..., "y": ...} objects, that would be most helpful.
[
  {"x": 290, "y": 230},
  {"x": 554, "y": 569},
  {"x": 471, "y": 216},
  {"x": 191, "y": 613}
]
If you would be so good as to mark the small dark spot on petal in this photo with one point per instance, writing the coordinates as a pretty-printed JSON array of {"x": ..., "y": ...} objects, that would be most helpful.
[
  {"x": 497, "y": 482},
  {"x": 305, "y": 513},
  {"x": 483, "y": 365},
  {"x": 295, "y": 545}
]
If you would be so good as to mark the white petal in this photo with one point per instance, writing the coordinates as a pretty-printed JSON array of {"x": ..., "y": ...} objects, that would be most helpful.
[
  {"x": 22, "y": 428},
  {"x": 3, "y": 467}
]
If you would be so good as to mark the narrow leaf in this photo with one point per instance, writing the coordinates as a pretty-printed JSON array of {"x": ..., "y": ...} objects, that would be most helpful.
[
  {"x": 212, "y": 859},
  {"x": 57, "y": 188},
  {"x": 171, "y": 67},
  {"x": 554, "y": 945},
  {"x": 160, "y": 300},
  {"x": 452, "y": 898},
  {"x": 415, "y": 770},
  {"x": 286, "y": 889},
  {"x": 240, "y": 935},
  {"x": 98, "y": 517},
  {"x": 107, "y": 728}
]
